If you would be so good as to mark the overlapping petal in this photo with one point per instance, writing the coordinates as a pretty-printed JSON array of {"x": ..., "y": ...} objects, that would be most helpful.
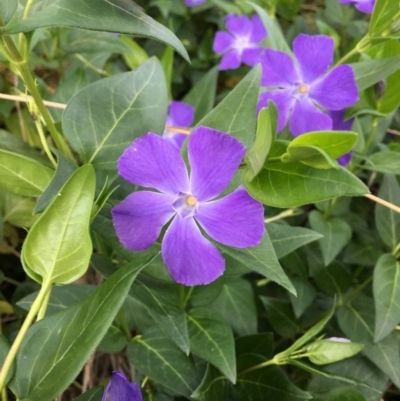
[
  {"x": 120, "y": 389},
  {"x": 190, "y": 258},
  {"x": 235, "y": 220},
  {"x": 214, "y": 158},
  {"x": 153, "y": 162},
  {"x": 278, "y": 69},
  {"x": 239, "y": 25},
  {"x": 345, "y": 159},
  {"x": 252, "y": 56},
  {"x": 337, "y": 90},
  {"x": 314, "y": 54},
  {"x": 283, "y": 100},
  {"x": 194, "y": 3},
  {"x": 365, "y": 6},
  {"x": 181, "y": 114},
  {"x": 231, "y": 60},
  {"x": 223, "y": 41},
  {"x": 338, "y": 122},
  {"x": 138, "y": 219},
  {"x": 258, "y": 31},
  {"x": 306, "y": 117}
]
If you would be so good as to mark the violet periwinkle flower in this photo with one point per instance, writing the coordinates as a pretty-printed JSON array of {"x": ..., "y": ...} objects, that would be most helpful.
[
  {"x": 365, "y": 6},
  {"x": 300, "y": 91},
  {"x": 235, "y": 220},
  {"x": 120, "y": 388},
  {"x": 338, "y": 124},
  {"x": 180, "y": 114},
  {"x": 241, "y": 42},
  {"x": 194, "y": 3}
]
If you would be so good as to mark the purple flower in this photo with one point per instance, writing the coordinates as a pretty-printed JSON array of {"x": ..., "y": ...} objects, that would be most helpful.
[
  {"x": 240, "y": 44},
  {"x": 194, "y": 3},
  {"x": 338, "y": 124},
  {"x": 235, "y": 220},
  {"x": 180, "y": 114},
  {"x": 366, "y": 6},
  {"x": 120, "y": 389},
  {"x": 300, "y": 91}
]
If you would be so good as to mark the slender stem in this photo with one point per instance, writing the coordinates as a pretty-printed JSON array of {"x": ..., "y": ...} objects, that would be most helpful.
[
  {"x": 32, "y": 88},
  {"x": 23, "y": 43},
  {"x": 22, "y": 333},
  {"x": 396, "y": 250},
  {"x": 259, "y": 366},
  {"x": 383, "y": 202},
  {"x": 43, "y": 308},
  {"x": 88, "y": 64},
  {"x": 44, "y": 141},
  {"x": 124, "y": 325},
  {"x": 189, "y": 294},
  {"x": 11, "y": 281},
  {"x": 28, "y": 7},
  {"x": 347, "y": 56},
  {"x": 4, "y": 396},
  {"x": 284, "y": 214},
  {"x": 274, "y": 160},
  {"x": 370, "y": 136},
  {"x": 355, "y": 292}
]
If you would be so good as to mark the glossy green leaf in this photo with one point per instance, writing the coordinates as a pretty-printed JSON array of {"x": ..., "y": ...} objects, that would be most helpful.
[
  {"x": 333, "y": 279},
  {"x": 387, "y": 220},
  {"x": 341, "y": 394},
  {"x": 265, "y": 136},
  {"x": 103, "y": 119},
  {"x": 156, "y": 356},
  {"x": 163, "y": 304},
  {"x": 237, "y": 304},
  {"x": 235, "y": 114},
  {"x": 94, "y": 15},
  {"x": 311, "y": 156},
  {"x": 7, "y": 9},
  {"x": 336, "y": 234},
  {"x": 202, "y": 95},
  {"x": 357, "y": 321},
  {"x": 94, "y": 394},
  {"x": 286, "y": 239},
  {"x": 387, "y": 162},
  {"x": 211, "y": 339},
  {"x": 17, "y": 210},
  {"x": 22, "y": 175},
  {"x": 43, "y": 378},
  {"x": 58, "y": 246},
  {"x": 386, "y": 287},
  {"x": 384, "y": 18},
  {"x": 213, "y": 387}
]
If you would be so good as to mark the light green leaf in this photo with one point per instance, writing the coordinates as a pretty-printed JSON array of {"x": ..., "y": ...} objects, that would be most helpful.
[
  {"x": 336, "y": 234},
  {"x": 43, "y": 378},
  {"x": 388, "y": 221},
  {"x": 17, "y": 210},
  {"x": 386, "y": 287},
  {"x": 167, "y": 63},
  {"x": 311, "y": 156},
  {"x": 7, "y": 10},
  {"x": 58, "y": 246},
  {"x": 236, "y": 113},
  {"x": 213, "y": 387},
  {"x": 137, "y": 56},
  {"x": 22, "y": 175},
  {"x": 202, "y": 95},
  {"x": 211, "y": 339},
  {"x": 103, "y": 119},
  {"x": 95, "y": 15},
  {"x": 390, "y": 100},
  {"x": 385, "y": 18},
  {"x": 156, "y": 356},
  {"x": 387, "y": 162},
  {"x": 286, "y": 239}
]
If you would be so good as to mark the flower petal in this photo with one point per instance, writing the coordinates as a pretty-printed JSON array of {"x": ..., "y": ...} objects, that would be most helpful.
[
  {"x": 119, "y": 388},
  {"x": 345, "y": 159},
  {"x": 138, "y": 219},
  {"x": 306, "y": 117},
  {"x": 223, "y": 41},
  {"x": 153, "y": 162},
  {"x": 231, "y": 60},
  {"x": 235, "y": 220},
  {"x": 278, "y": 69},
  {"x": 338, "y": 123},
  {"x": 258, "y": 31},
  {"x": 366, "y": 6},
  {"x": 238, "y": 25},
  {"x": 283, "y": 100},
  {"x": 314, "y": 54},
  {"x": 337, "y": 90},
  {"x": 194, "y": 3},
  {"x": 214, "y": 158},
  {"x": 252, "y": 56},
  {"x": 181, "y": 114},
  {"x": 190, "y": 258}
]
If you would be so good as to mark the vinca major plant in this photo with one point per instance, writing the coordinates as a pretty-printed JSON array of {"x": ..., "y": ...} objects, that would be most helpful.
[{"x": 200, "y": 200}]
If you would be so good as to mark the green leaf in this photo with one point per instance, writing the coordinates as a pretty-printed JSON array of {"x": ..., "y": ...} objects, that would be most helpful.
[
  {"x": 202, "y": 95},
  {"x": 311, "y": 156},
  {"x": 266, "y": 133},
  {"x": 17, "y": 210},
  {"x": 384, "y": 18},
  {"x": 286, "y": 239},
  {"x": 260, "y": 344},
  {"x": 235, "y": 114},
  {"x": 114, "y": 341},
  {"x": 386, "y": 287},
  {"x": 357, "y": 320},
  {"x": 43, "y": 378},
  {"x": 156, "y": 356},
  {"x": 333, "y": 279},
  {"x": 269, "y": 384},
  {"x": 137, "y": 56},
  {"x": 65, "y": 168},
  {"x": 390, "y": 100},
  {"x": 260, "y": 258},
  {"x": 237, "y": 304},
  {"x": 370, "y": 72},
  {"x": 94, "y": 15},
  {"x": 94, "y": 394},
  {"x": 387, "y": 162},
  {"x": 388, "y": 221},
  {"x": 167, "y": 63},
  {"x": 213, "y": 387},
  {"x": 58, "y": 246},
  {"x": 162, "y": 302},
  {"x": 4, "y": 349},
  {"x": 341, "y": 394},
  {"x": 336, "y": 234},
  {"x": 306, "y": 294},
  {"x": 22, "y": 175},
  {"x": 7, "y": 10},
  {"x": 211, "y": 339},
  {"x": 120, "y": 109}
]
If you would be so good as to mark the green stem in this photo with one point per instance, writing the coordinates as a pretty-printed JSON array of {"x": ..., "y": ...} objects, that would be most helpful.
[
  {"x": 11, "y": 281},
  {"x": 396, "y": 250},
  {"x": 274, "y": 160},
  {"x": 43, "y": 308},
  {"x": 44, "y": 141},
  {"x": 284, "y": 214},
  {"x": 273, "y": 361},
  {"x": 124, "y": 325},
  {"x": 22, "y": 333},
  {"x": 370, "y": 136},
  {"x": 189, "y": 294},
  {"x": 34, "y": 91},
  {"x": 362, "y": 45}
]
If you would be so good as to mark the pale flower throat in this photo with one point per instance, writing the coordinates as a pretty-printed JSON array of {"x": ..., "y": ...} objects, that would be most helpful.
[{"x": 303, "y": 89}]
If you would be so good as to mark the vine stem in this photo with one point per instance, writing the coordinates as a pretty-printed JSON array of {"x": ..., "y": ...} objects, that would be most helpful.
[
  {"x": 44, "y": 142},
  {"x": 37, "y": 304}
]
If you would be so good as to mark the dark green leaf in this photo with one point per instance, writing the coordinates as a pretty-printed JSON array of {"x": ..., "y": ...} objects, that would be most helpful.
[
  {"x": 306, "y": 294},
  {"x": 94, "y": 394},
  {"x": 341, "y": 394},
  {"x": 213, "y": 387},
  {"x": 114, "y": 341},
  {"x": 261, "y": 344},
  {"x": 386, "y": 14},
  {"x": 333, "y": 279},
  {"x": 4, "y": 349},
  {"x": 387, "y": 162}
]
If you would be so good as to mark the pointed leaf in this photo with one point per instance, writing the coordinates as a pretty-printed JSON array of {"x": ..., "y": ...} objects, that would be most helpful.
[
  {"x": 387, "y": 162},
  {"x": 213, "y": 387}
]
